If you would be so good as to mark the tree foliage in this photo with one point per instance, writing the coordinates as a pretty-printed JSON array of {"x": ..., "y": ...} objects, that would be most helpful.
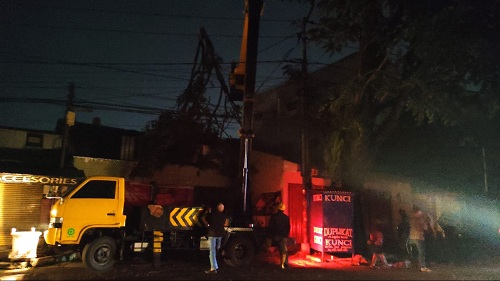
[
  {"x": 192, "y": 134},
  {"x": 171, "y": 140},
  {"x": 434, "y": 60}
]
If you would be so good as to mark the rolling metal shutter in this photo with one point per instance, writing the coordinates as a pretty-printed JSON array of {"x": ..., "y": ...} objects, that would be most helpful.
[{"x": 20, "y": 206}]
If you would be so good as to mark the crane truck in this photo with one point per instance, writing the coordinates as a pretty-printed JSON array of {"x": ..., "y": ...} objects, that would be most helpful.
[{"x": 90, "y": 218}]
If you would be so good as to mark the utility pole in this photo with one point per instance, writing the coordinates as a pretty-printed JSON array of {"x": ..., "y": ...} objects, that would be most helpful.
[
  {"x": 305, "y": 167},
  {"x": 306, "y": 171},
  {"x": 69, "y": 121}
]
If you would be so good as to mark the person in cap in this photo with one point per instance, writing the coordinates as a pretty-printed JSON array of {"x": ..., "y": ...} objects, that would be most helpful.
[
  {"x": 215, "y": 223},
  {"x": 279, "y": 230}
]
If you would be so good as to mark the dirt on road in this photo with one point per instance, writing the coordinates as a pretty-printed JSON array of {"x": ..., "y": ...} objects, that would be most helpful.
[{"x": 181, "y": 266}]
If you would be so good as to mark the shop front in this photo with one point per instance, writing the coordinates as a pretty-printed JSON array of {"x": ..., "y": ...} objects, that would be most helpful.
[{"x": 23, "y": 205}]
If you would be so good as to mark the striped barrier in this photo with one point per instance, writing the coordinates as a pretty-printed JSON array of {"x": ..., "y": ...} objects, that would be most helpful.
[{"x": 185, "y": 216}]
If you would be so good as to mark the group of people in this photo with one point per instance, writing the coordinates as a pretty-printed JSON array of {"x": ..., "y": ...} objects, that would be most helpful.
[
  {"x": 215, "y": 222},
  {"x": 412, "y": 233}
]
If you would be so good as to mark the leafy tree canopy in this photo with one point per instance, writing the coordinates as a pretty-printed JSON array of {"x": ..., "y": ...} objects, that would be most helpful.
[
  {"x": 437, "y": 61},
  {"x": 192, "y": 133}
]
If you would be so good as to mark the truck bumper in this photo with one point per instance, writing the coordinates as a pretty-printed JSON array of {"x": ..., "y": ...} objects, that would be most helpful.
[{"x": 51, "y": 235}]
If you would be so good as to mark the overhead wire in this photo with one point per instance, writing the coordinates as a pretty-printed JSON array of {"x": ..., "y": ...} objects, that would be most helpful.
[
  {"x": 285, "y": 57},
  {"x": 127, "y": 31},
  {"x": 97, "y": 66},
  {"x": 149, "y": 14},
  {"x": 126, "y": 67},
  {"x": 82, "y": 104}
]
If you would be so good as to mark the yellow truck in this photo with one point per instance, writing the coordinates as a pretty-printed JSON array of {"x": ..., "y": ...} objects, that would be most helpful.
[{"x": 90, "y": 218}]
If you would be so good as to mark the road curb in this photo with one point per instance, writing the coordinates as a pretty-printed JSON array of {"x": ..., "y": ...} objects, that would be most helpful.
[
  {"x": 40, "y": 261},
  {"x": 50, "y": 260}
]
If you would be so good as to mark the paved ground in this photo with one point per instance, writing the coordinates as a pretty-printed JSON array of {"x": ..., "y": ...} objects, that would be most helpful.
[{"x": 182, "y": 266}]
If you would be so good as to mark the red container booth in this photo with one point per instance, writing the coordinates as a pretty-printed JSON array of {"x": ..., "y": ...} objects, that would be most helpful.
[{"x": 331, "y": 221}]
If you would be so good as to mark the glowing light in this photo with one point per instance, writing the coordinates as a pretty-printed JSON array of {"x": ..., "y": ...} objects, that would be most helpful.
[
  {"x": 314, "y": 261},
  {"x": 2, "y": 199},
  {"x": 12, "y": 277},
  {"x": 24, "y": 243}
]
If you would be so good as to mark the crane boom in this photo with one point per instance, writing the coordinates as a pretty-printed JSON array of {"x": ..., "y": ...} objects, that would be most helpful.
[
  {"x": 247, "y": 69},
  {"x": 237, "y": 75}
]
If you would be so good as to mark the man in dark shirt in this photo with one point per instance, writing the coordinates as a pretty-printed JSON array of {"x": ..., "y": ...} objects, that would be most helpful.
[
  {"x": 404, "y": 232},
  {"x": 279, "y": 229},
  {"x": 215, "y": 221}
]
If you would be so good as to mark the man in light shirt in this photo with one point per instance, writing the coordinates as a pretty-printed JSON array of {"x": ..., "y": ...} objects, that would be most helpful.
[{"x": 420, "y": 223}]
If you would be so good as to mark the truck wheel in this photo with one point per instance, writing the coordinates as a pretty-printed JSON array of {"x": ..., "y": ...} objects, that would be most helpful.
[
  {"x": 99, "y": 255},
  {"x": 239, "y": 251}
]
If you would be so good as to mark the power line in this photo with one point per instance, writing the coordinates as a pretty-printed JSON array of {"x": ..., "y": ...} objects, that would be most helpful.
[
  {"x": 98, "y": 66},
  {"x": 133, "y": 64},
  {"x": 88, "y": 106},
  {"x": 128, "y": 31},
  {"x": 140, "y": 13}
]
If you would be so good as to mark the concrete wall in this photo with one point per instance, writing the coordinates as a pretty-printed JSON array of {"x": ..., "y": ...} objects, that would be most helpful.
[
  {"x": 170, "y": 175},
  {"x": 382, "y": 197},
  {"x": 399, "y": 194},
  {"x": 267, "y": 173},
  {"x": 103, "y": 167},
  {"x": 10, "y": 138},
  {"x": 190, "y": 175}
]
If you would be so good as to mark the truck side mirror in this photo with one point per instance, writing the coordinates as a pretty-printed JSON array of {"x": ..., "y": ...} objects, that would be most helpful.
[{"x": 53, "y": 192}]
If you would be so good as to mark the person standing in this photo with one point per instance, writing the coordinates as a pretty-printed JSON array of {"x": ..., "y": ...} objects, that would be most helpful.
[
  {"x": 215, "y": 222},
  {"x": 416, "y": 241},
  {"x": 403, "y": 232},
  {"x": 434, "y": 239},
  {"x": 376, "y": 244},
  {"x": 279, "y": 230}
]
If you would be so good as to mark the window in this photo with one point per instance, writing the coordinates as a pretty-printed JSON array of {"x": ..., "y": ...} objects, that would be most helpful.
[
  {"x": 98, "y": 189},
  {"x": 34, "y": 140}
]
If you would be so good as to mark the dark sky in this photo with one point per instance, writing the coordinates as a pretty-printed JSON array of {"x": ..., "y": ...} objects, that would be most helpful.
[{"x": 131, "y": 54}]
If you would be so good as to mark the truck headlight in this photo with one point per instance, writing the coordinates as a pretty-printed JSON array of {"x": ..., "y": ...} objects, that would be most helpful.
[{"x": 56, "y": 222}]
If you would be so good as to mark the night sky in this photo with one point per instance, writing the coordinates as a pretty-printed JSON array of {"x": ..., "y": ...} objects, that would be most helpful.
[{"x": 127, "y": 55}]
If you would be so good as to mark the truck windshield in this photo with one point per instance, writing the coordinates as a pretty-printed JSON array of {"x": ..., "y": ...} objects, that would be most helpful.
[{"x": 70, "y": 188}]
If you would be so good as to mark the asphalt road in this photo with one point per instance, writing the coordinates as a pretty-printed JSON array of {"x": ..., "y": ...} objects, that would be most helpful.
[{"x": 182, "y": 266}]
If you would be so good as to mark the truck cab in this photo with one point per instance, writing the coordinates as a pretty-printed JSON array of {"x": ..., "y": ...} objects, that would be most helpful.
[
  {"x": 96, "y": 203},
  {"x": 89, "y": 218}
]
